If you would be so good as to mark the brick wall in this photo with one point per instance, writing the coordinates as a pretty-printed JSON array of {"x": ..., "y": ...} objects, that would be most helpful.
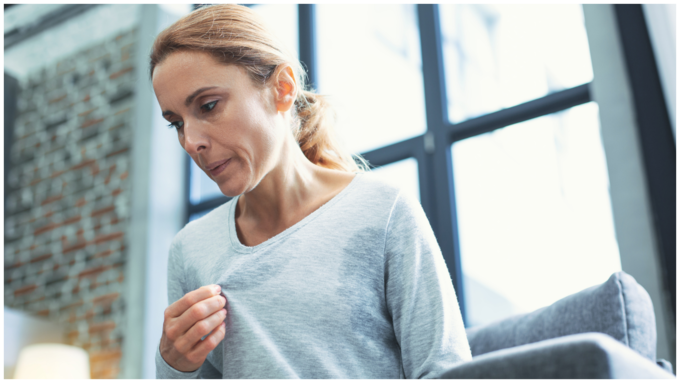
[{"x": 68, "y": 197}]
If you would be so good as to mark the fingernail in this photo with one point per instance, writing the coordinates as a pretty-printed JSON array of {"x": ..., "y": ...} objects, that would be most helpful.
[{"x": 217, "y": 288}]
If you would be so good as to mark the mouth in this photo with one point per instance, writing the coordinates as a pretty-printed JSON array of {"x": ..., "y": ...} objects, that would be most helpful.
[{"x": 217, "y": 167}]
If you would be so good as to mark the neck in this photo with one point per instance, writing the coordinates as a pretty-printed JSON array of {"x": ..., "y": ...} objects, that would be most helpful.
[{"x": 283, "y": 192}]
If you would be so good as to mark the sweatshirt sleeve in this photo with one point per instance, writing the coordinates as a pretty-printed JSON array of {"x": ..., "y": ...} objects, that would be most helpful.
[
  {"x": 176, "y": 290},
  {"x": 420, "y": 297}
]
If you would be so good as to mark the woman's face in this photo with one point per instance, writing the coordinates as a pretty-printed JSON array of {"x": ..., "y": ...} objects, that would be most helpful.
[{"x": 231, "y": 128}]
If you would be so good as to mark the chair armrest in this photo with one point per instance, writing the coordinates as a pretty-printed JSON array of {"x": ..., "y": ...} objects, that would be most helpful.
[{"x": 580, "y": 356}]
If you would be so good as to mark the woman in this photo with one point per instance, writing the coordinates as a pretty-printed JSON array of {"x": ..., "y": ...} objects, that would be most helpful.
[{"x": 314, "y": 269}]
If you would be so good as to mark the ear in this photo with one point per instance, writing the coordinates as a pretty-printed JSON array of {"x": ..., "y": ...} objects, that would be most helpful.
[{"x": 285, "y": 87}]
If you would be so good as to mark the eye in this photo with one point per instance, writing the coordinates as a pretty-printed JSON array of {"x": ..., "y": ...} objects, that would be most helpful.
[
  {"x": 176, "y": 124},
  {"x": 209, "y": 106}
]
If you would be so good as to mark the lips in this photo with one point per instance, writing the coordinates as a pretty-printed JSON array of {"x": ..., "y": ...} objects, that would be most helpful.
[{"x": 217, "y": 167}]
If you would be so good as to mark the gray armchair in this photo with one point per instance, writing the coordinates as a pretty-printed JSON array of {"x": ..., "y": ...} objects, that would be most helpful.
[{"x": 606, "y": 331}]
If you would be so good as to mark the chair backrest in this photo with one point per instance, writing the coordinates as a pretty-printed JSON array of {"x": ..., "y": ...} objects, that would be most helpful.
[{"x": 620, "y": 308}]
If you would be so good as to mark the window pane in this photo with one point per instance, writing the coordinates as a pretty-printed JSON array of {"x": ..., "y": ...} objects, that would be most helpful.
[
  {"x": 401, "y": 174},
  {"x": 534, "y": 213},
  {"x": 369, "y": 65},
  {"x": 199, "y": 215},
  {"x": 282, "y": 20},
  {"x": 499, "y": 55},
  {"x": 202, "y": 187}
]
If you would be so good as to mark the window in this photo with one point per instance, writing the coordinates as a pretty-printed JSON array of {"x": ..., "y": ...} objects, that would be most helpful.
[
  {"x": 499, "y": 55},
  {"x": 533, "y": 210},
  {"x": 372, "y": 72},
  {"x": 490, "y": 126}
]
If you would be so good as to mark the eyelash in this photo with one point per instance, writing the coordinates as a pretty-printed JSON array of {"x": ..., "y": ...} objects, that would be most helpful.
[{"x": 206, "y": 108}]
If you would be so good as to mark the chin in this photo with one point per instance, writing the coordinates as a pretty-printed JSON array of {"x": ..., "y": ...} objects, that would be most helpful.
[{"x": 234, "y": 186}]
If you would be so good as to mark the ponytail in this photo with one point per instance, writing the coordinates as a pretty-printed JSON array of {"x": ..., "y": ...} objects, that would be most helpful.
[{"x": 316, "y": 136}]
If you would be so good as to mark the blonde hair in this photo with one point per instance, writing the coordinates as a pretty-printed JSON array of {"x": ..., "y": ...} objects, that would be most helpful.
[{"x": 235, "y": 34}]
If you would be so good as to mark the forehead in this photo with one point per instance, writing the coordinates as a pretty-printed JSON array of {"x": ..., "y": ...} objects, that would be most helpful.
[{"x": 186, "y": 71}]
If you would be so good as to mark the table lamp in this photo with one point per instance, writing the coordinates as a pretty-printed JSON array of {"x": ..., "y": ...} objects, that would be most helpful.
[{"x": 52, "y": 361}]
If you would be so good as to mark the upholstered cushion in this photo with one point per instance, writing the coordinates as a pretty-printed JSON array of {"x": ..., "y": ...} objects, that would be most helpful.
[
  {"x": 620, "y": 308},
  {"x": 580, "y": 356}
]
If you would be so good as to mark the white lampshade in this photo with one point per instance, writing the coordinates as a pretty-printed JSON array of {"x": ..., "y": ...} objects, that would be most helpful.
[{"x": 52, "y": 361}]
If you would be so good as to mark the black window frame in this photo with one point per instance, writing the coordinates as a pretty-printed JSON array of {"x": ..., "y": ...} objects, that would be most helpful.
[{"x": 432, "y": 149}]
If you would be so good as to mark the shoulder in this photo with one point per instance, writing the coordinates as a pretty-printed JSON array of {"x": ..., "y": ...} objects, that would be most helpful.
[
  {"x": 204, "y": 227},
  {"x": 401, "y": 203},
  {"x": 373, "y": 189}
]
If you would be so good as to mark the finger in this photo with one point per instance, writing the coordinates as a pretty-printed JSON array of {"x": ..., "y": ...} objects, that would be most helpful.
[
  {"x": 205, "y": 326},
  {"x": 209, "y": 343},
  {"x": 191, "y": 298},
  {"x": 198, "y": 312}
]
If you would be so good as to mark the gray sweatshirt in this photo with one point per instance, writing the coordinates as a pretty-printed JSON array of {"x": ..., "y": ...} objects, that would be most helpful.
[{"x": 357, "y": 289}]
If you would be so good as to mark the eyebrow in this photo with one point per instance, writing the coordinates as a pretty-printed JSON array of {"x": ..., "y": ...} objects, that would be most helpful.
[{"x": 190, "y": 98}]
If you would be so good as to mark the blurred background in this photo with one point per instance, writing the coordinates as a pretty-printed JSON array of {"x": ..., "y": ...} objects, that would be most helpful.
[{"x": 539, "y": 139}]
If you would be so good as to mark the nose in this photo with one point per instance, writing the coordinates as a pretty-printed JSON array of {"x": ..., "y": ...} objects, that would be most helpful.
[{"x": 195, "y": 137}]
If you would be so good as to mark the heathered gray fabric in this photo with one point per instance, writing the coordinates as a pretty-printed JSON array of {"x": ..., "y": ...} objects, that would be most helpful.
[
  {"x": 620, "y": 308},
  {"x": 580, "y": 356},
  {"x": 357, "y": 289}
]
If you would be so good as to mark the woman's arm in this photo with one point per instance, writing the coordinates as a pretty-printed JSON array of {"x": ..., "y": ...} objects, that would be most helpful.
[
  {"x": 176, "y": 290},
  {"x": 420, "y": 296}
]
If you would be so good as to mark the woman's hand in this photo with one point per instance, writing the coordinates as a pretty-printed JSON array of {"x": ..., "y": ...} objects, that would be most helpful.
[{"x": 189, "y": 319}]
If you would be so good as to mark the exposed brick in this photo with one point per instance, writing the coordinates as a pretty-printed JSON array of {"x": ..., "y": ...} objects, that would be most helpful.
[
  {"x": 109, "y": 373},
  {"x": 114, "y": 153},
  {"x": 38, "y": 299},
  {"x": 91, "y": 122},
  {"x": 43, "y": 313},
  {"x": 46, "y": 152},
  {"x": 14, "y": 266},
  {"x": 117, "y": 126},
  {"x": 25, "y": 290},
  {"x": 41, "y": 258},
  {"x": 108, "y": 237},
  {"x": 77, "y": 246},
  {"x": 121, "y": 112},
  {"x": 51, "y": 199},
  {"x": 105, "y": 299},
  {"x": 72, "y": 305},
  {"x": 85, "y": 113},
  {"x": 83, "y": 164},
  {"x": 46, "y": 228},
  {"x": 94, "y": 169},
  {"x": 71, "y": 220},
  {"x": 105, "y": 210},
  {"x": 94, "y": 271},
  {"x": 120, "y": 73},
  {"x": 100, "y": 57},
  {"x": 57, "y": 173},
  {"x": 103, "y": 254},
  {"x": 52, "y": 101},
  {"x": 99, "y": 327}
]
